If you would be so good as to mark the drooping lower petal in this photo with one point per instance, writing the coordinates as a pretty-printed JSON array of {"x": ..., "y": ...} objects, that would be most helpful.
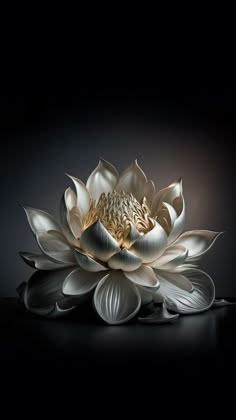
[
  {"x": 41, "y": 262},
  {"x": 197, "y": 242},
  {"x": 151, "y": 245},
  {"x": 184, "y": 302},
  {"x": 116, "y": 299},
  {"x": 143, "y": 276},
  {"x": 97, "y": 241},
  {"x": 42, "y": 295},
  {"x": 171, "y": 258},
  {"x": 103, "y": 179},
  {"x": 159, "y": 315},
  {"x": 80, "y": 282},
  {"x": 55, "y": 246}
]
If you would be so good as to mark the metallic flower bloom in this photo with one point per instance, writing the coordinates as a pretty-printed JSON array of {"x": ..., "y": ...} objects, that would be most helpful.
[{"x": 121, "y": 243}]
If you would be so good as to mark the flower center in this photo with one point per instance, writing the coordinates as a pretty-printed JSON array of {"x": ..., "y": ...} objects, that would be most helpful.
[{"x": 116, "y": 211}]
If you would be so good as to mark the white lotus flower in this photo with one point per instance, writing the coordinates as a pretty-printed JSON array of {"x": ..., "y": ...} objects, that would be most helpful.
[{"x": 121, "y": 243}]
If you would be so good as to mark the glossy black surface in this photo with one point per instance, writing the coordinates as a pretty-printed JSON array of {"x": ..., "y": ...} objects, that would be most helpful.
[{"x": 198, "y": 346}]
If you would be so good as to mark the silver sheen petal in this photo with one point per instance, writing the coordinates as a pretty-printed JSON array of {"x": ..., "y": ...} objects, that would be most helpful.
[
  {"x": 68, "y": 198},
  {"x": 83, "y": 196},
  {"x": 179, "y": 280},
  {"x": 124, "y": 260},
  {"x": 97, "y": 241},
  {"x": 116, "y": 299},
  {"x": 55, "y": 246},
  {"x": 143, "y": 276},
  {"x": 103, "y": 179},
  {"x": 80, "y": 282},
  {"x": 150, "y": 246},
  {"x": 41, "y": 262},
  {"x": 166, "y": 195},
  {"x": 183, "y": 302},
  {"x": 40, "y": 221},
  {"x": 171, "y": 258},
  {"x": 197, "y": 242},
  {"x": 133, "y": 180},
  {"x": 88, "y": 263}
]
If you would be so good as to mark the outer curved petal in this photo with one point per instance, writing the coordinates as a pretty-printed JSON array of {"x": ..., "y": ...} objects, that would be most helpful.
[
  {"x": 103, "y": 179},
  {"x": 150, "y": 246},
  {"x": 198, "y": 242},
  {"x": 133, "y": 180},
  {"x": 40, "y": 221},
  {"x": 178, "y": 225},
  {"x": 179, "y": 280},
  {"x": 80, "y": 282},
  {"x": 116, "y": 299},
  {"x": 143, "y": 276},
  {"x": 149, "y": 191},
  {"x": 167, "y": 195},
  {"x": 64, "y": 212},
  {"x": 89, "y": 264},
  {"x": 41, "y": 262},
  {"x": 183, "y": 302},
  {"x": 171, "y": 258},
  {"x": 75, "y": 222},
  {"x": 97, "y": 241},
  {"x": 124, "y": 260},
  {"x": 83, "y": 196},
  {"x": 55, "y": 246}
]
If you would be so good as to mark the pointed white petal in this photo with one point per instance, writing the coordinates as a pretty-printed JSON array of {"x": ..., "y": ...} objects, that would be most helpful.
[
  {"x": 178, "y": 225},
  {"x": 116, "y": 299},
  {"x": 166, "y": 195},
  {"x": 97, "y": 241},
  {"x": 88, "y": 263},
  {"x": 55, "y": 246},
  {"x": 150, "y": 246},
  {"x": 143, "y": 276},
  {"x": 124, "y": 260},
  {"x": 40, "y": 221},
  {"x": 198, "y": 242},
  {"x": 103, "y": 179},
  {"x": 171, "y": 258},
  {"x": 83, "y": 196},
  {"x": 133, "y": 180},
  {"x": 41, "y": 262},
  {"x": 179, "y": 280},
  {"x": 75, "y": 222},
  {"x": 80, "y": 282},
  {"x": 183, "y": 302},
  {"x": 149, "y": 191}
]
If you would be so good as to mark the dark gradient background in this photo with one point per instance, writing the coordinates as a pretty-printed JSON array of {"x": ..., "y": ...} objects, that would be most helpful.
[{"x": 185, "y": 132}]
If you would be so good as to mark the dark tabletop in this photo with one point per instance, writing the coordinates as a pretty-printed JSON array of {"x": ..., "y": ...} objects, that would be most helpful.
[{"x": 193, "y": 344}]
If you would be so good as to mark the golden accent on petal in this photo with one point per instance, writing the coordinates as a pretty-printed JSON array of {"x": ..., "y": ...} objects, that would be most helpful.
[{"x": 116, "y": 211}]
